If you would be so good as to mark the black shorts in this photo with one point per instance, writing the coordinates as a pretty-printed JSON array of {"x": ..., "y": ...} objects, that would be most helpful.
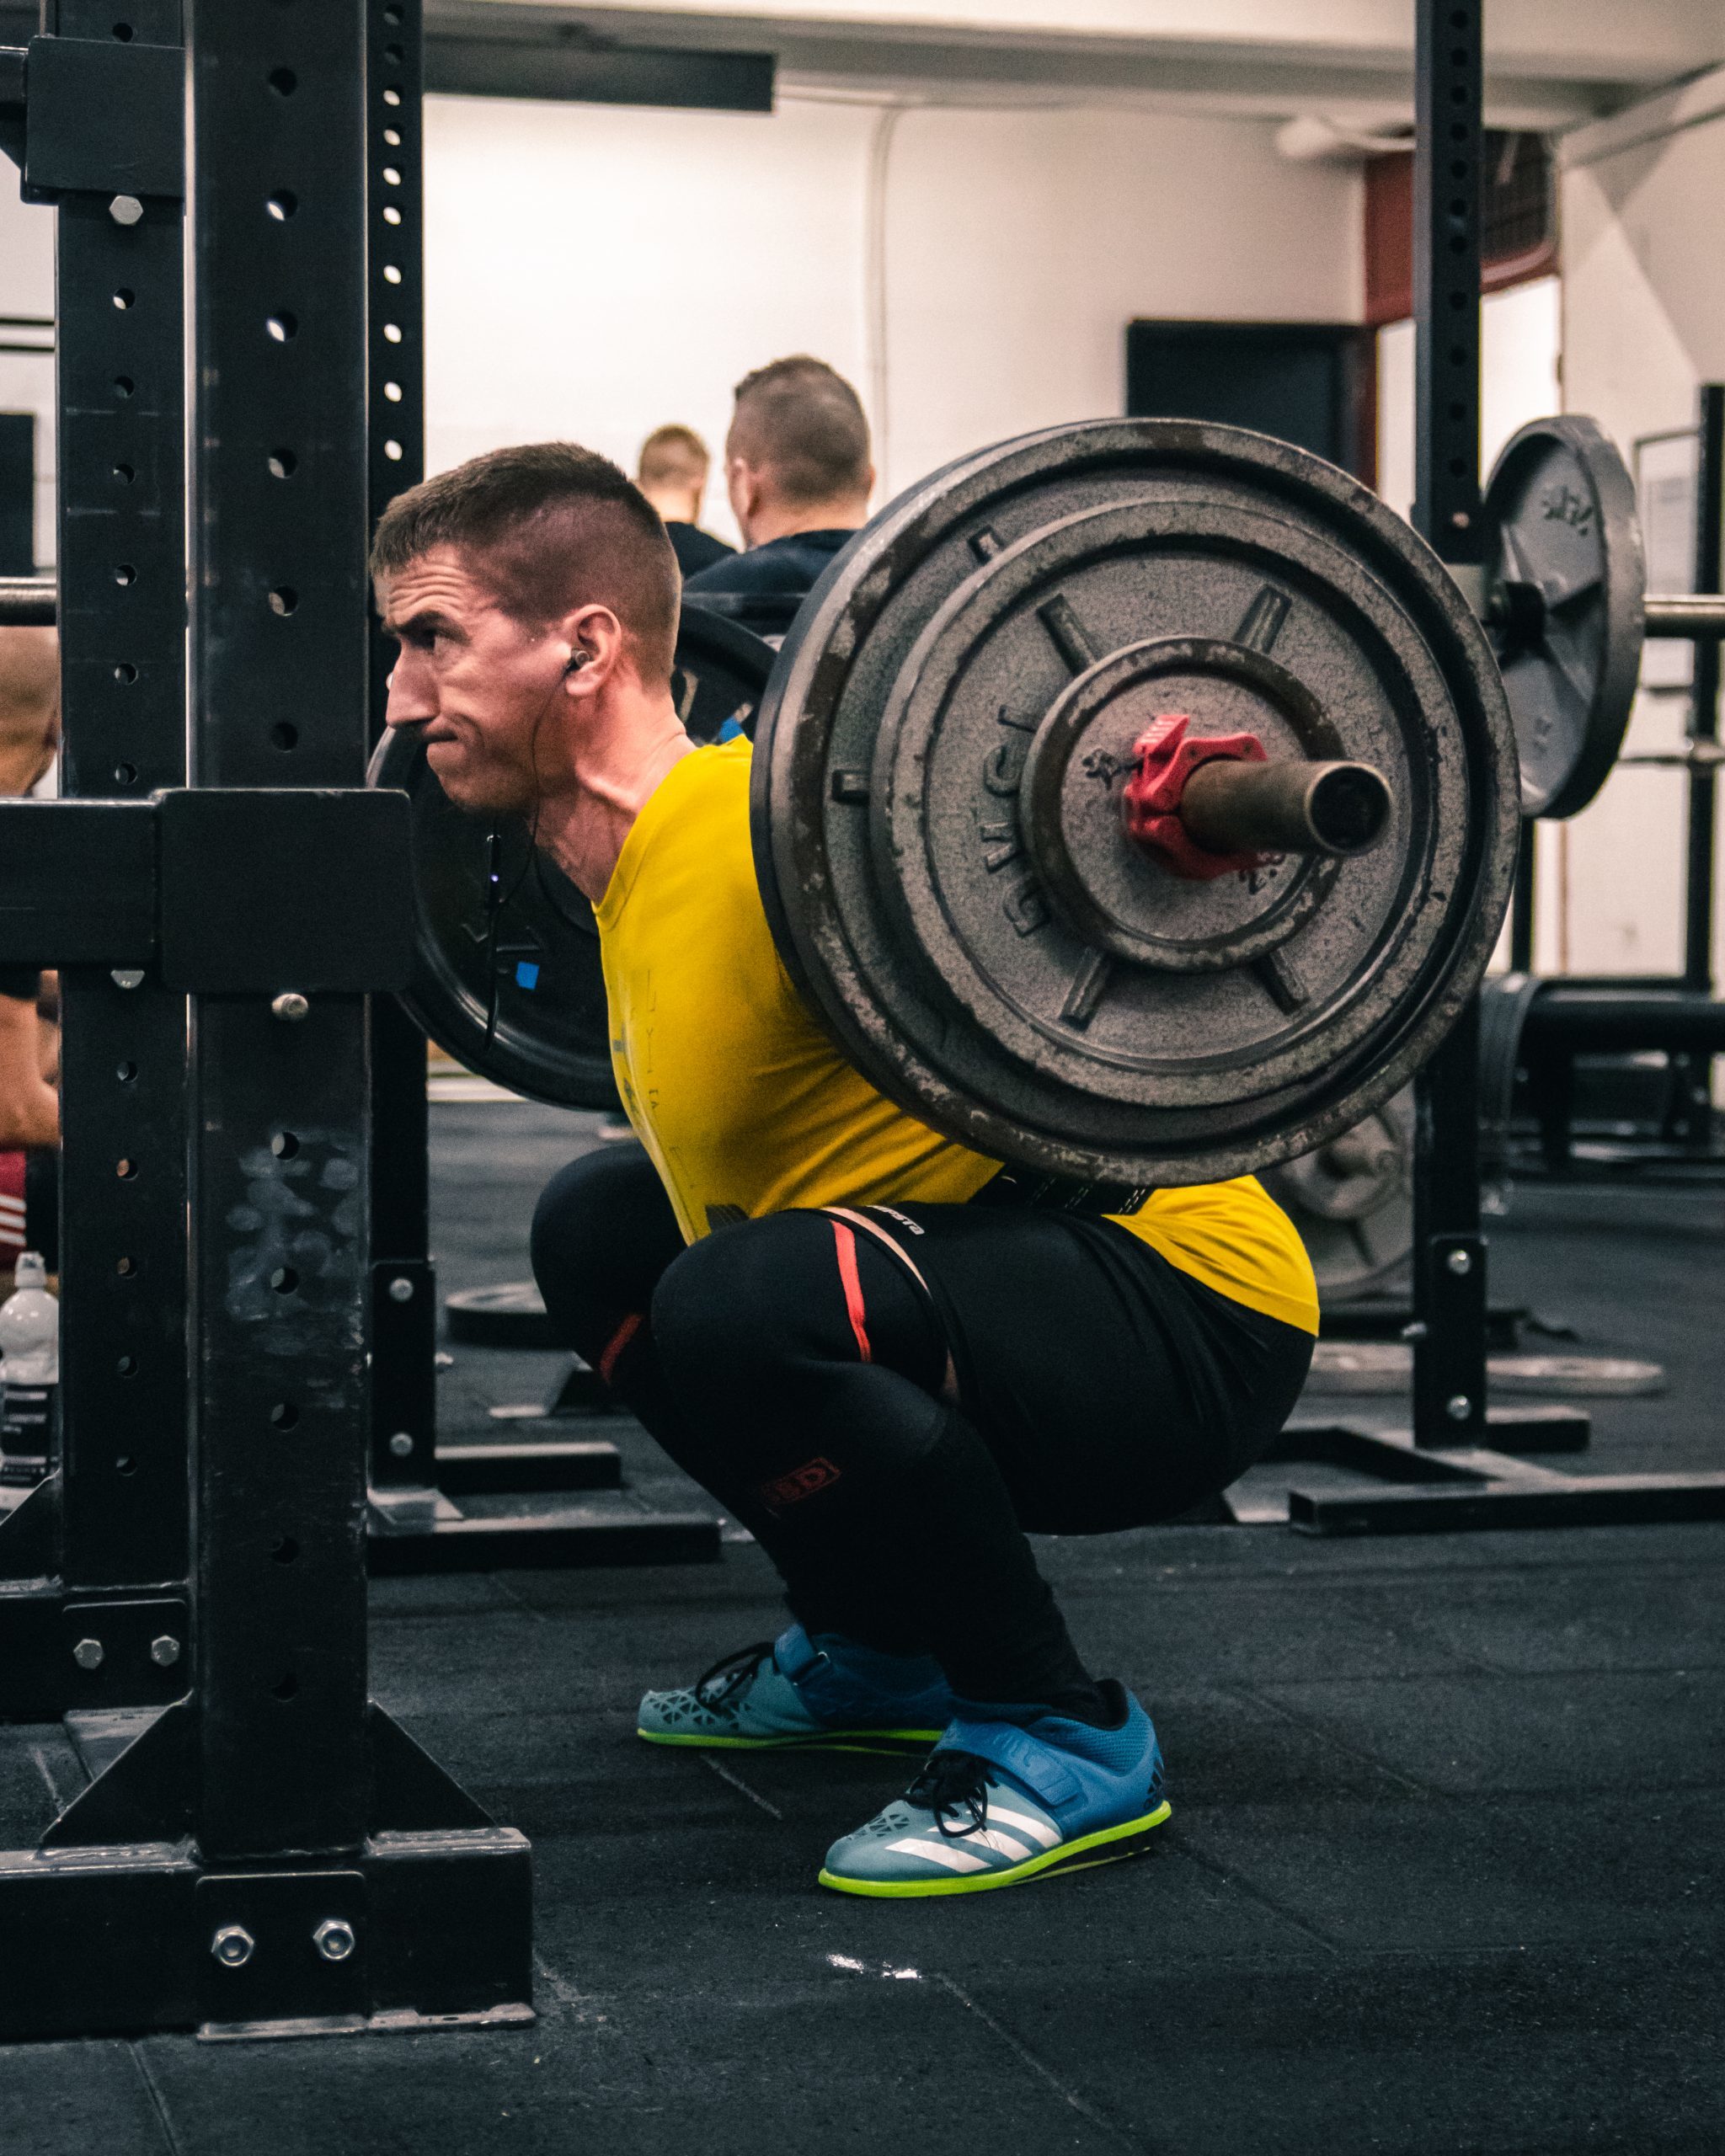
[{"x": 1113, "y": 1388}]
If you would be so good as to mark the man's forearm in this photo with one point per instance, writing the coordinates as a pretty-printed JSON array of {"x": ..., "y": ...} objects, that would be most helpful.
[{"x": 31, "y": 1115}]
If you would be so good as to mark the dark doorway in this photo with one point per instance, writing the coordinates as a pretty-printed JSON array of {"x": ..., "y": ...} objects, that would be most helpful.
[
  {"x": 17, "y": 494},
  {"x": 1312, "y": 383}
]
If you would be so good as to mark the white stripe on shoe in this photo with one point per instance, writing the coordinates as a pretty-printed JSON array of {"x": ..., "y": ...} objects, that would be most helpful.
[
  {"x": 1039, "y": 1831},
  {"x": 946, "y": 1853}
]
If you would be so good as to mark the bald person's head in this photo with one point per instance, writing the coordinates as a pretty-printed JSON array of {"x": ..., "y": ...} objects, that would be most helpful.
[{"x": 29, "y": 706}]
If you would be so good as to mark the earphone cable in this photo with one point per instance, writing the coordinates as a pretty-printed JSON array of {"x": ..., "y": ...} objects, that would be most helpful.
[{"x": 497, "y": 900}]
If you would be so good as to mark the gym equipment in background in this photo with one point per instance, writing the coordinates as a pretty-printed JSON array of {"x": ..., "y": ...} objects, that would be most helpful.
[{"x": 1353, "y": 1202}]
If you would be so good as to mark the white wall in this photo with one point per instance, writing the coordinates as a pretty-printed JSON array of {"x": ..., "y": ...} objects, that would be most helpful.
[
  {"x": 594, "y": 273},
  {"x": 27, "y": 380},
  {"x": 1643, "y": 326},
  {"x": 1019, "y": 245},
  {"x": 1519, "y": 380}
]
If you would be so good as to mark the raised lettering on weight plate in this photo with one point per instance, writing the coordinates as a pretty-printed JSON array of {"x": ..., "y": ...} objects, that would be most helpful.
[
  {"x": 1003, "y": 767},
  {"x": 1027, "y": 909},
  {"x": 1001, "y": 844},
  {"x": 1563, "y": 506}
]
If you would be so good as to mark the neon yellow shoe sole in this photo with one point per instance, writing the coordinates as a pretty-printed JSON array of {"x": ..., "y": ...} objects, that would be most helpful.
[
  {"x": 1107, "y": 1845},
  {"x": 895, "y": 1742}
]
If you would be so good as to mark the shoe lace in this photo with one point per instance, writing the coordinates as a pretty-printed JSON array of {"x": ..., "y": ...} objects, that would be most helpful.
[
  {"x": 955, "y": 1785},
  {"x": 730, "y": 1673}
]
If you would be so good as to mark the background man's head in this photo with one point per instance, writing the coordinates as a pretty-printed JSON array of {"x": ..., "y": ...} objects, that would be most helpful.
[
  {"x": 672, "y": 472},
  {"x": 797, "y": 457},
  {"x": 29, "y": 706},
  {"x": 533, "y": 591}
]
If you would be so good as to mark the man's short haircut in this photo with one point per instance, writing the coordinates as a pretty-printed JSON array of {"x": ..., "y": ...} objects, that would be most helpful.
[
  {"x": 673, "y": 456},
  {"x": 803, "y": 423},
  {"x": 548, "y": 526}
]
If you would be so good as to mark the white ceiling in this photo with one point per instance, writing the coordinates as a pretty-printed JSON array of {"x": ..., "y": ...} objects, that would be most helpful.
[{"x": 1550, "y": 63}]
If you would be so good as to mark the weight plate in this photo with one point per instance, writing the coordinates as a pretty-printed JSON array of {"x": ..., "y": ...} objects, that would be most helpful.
[
  {"x": 1353, "y": 1202},
  {"x": 722, "y": 669},
  {"x": 1565, "y": 585},
  {"x": 512, "y": 1315},
  {"x": 937, "y": 818},
  {"x": 551, "y": 1038},
  {"x": 1385, "y": 1367}
]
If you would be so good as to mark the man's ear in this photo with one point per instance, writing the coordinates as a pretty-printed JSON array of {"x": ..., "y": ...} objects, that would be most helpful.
[
  {"x": 742, "y": 483},
  {"x": 595, "y": 647}
]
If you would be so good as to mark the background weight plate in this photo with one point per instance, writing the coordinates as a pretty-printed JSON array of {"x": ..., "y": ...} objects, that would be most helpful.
[
  {"x": 908, "y": 891},
  {"x": 1353, "y": 1202},
  {"x": 552, "y": 1040},
  {"x": 1565, "y": 584}
]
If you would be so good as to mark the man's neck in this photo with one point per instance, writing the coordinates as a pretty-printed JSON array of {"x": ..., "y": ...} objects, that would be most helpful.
[
  {"x": 584, "y": 824},
  {"x": 676, "y": 505},
  {"x": 776, "y": 520}
]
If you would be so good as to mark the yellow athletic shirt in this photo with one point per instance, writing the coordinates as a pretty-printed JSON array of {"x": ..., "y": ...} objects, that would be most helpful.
[{"x": 747, "y": 1107}]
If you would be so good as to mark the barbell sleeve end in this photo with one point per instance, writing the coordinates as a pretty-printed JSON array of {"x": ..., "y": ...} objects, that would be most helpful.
[
  {"x": 1287, "y": 806},
  {"x": 1699, "y": 615}
]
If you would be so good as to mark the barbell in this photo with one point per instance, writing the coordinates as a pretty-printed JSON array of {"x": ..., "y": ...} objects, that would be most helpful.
[{"x": 1136, "y": 801}]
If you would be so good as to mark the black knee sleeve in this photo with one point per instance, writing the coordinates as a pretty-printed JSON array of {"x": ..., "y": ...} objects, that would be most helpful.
[
  {"x": 792, "y": 1294},
  {"x": 603, "y": 1233}
]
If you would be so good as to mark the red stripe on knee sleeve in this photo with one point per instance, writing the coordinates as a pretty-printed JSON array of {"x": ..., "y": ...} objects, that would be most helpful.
[
  {"x": 853, "y": 1289},
  {"x": 619, "y": 1340}
]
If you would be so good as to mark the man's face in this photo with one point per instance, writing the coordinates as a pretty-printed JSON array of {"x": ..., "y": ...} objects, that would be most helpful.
[{"x": 484, "y": 688}]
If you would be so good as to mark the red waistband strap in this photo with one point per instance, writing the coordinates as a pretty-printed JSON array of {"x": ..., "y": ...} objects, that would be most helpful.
[
  {"x": 853, "y": 1288},
  {"x": 619, "y": 1340}
]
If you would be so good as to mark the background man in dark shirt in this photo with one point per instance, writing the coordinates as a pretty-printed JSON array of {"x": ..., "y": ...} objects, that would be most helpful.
[
  {"x": 30, "y": 1105},
  {"x": 797, "y": 469},
  {"x": 672, "y": 474}
]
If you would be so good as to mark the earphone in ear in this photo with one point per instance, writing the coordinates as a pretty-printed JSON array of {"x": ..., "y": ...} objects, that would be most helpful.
[{"x": 577, "y": 660}]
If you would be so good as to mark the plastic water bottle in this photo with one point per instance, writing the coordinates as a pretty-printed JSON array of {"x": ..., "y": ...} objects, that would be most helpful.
[{"x": 30, "y": 1374}]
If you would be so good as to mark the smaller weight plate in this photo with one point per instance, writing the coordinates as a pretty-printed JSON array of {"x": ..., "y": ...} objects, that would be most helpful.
[
  {"x": 1565, "y": 585},
  {"x": 1353, "y": 1202},
  {"x": 551, "y": 1038},
  {"x": 512, "y": 1315}
]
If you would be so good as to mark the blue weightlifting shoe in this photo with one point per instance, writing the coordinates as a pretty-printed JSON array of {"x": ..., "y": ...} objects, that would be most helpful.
[
  {"x": 795, "y": 1693},
  {"x": 998, "y": 1802}
]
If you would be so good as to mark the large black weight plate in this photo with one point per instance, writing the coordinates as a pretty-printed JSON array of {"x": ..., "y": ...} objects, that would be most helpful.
[
  {"x": 1565, "y": 586},
  {"x": 937, "y": 801},
  {"x": 552, "y": 1040},
  {"x": 722, "y": 670}
]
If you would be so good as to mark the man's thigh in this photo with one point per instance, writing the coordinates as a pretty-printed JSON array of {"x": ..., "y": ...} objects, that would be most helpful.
[
  {"x": 604, "y": 1233},
  {"x": 1112, "y": 1389}
]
